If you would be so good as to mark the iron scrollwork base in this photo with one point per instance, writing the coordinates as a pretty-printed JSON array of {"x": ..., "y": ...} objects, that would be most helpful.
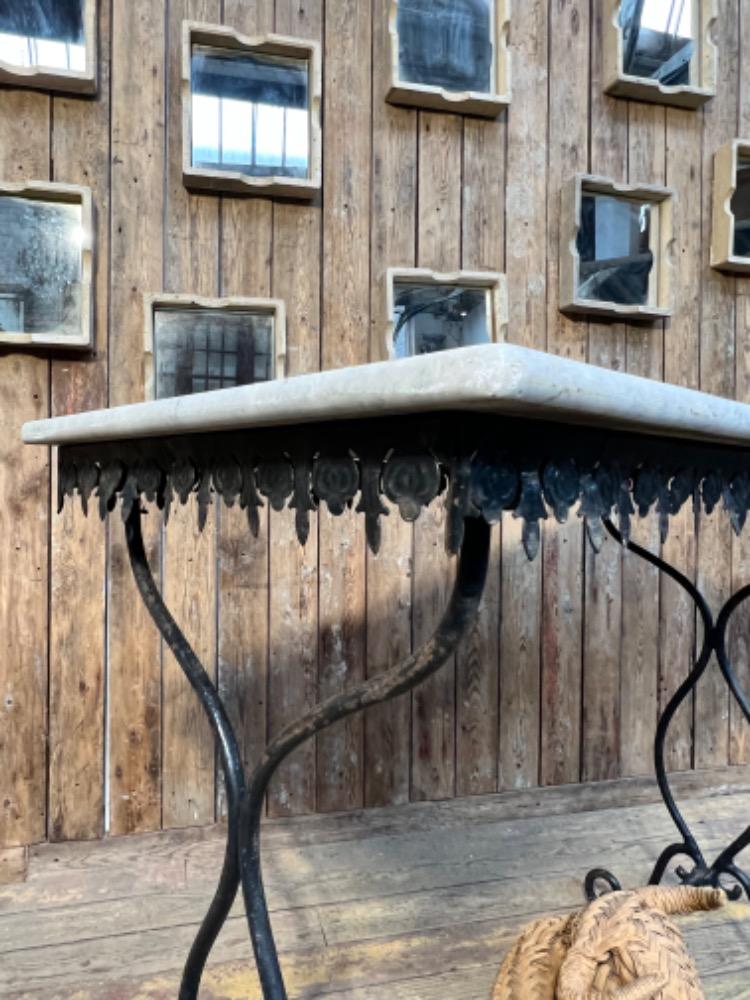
[
  {"x": 245, "y": 798},
  {"x": 714, "y": 642}
]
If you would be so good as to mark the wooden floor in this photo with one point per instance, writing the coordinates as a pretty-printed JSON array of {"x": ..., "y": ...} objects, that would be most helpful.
[{"x": 412, "y": 903}]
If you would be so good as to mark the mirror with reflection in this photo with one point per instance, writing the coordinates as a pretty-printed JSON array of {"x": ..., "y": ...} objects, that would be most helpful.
[
  {"x": 47, "y": 34},
  {"x": 659, "y": 39},
  {"x": 40, "y": 267},
  {"x": 250, "y": 113},
  {"x": 196, "y": 350},
  {"x": 740, "y": 208},
  {"x": 432, "y": 317},
  {"x": 613, "y": 243},
  {"x": 447, "y": 44}
]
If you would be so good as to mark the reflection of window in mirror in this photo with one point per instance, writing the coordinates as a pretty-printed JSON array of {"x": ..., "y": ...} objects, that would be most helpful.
[
  {"x": 614, "y": 247},
  {"x": 730, "y": 235},
  {"x": 614, "y": 243},
  {"x": 450, "y": 54},
  {"x": 432, "y": 312},
  {"x": 252, "y": 113},
  {"x": 446, "y": 43},
  {"x": 197, "y": 345},
  {"x": 45, "y": 266},
  {"x": 660, "y": 50},
  {"x": 660, "y": 39},
  {"x": 740, "y": 207},
  {"x": 48, "y": 43}
]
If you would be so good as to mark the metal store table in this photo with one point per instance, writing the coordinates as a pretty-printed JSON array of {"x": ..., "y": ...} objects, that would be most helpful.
[{"x": 494, "y": 429}]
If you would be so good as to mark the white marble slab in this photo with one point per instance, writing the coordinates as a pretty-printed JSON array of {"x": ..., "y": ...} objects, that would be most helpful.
[{"x": 493, "y": 378}]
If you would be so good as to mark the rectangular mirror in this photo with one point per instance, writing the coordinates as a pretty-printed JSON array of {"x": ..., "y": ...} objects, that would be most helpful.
[
  {"x": 660, "y": 50},
  {"x": 45, "y": 266},
  {"x": 49, "y": 43},
  {"x": 446, "y": 43},
  {"x": 614, "y": 247},
  {"x": 197, "y": 345},
  {"x": 438, "y": 312},
  {"x": 450, "y": 55}
]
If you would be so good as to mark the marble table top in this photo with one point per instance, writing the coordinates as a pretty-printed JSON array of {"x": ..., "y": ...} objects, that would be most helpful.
[{"x": 492, "y": 378}]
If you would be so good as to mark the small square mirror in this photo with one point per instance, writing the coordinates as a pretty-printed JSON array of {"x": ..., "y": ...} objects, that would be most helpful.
[
  {"x": 450, "y": 55},
  {"x": 730, "y": 236},
  {"x": 251, "y": 113},
  {"x": 615, "y": 242}
]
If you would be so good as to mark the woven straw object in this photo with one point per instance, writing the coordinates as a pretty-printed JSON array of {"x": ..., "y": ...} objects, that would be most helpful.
[{"x": 623, "y": 946}]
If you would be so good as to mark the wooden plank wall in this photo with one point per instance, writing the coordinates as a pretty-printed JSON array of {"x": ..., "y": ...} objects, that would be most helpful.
[{"x": 563, "y": 675}]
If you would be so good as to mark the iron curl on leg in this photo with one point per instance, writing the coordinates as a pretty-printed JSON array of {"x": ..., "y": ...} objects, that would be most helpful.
[
  {"x": 714, "y": 641},
  {"x": 458, "y": 618},
  {"x": 231, "y": 761}
]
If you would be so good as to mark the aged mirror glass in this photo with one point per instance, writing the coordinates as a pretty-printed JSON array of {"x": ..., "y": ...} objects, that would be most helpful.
[
  {"x": 659, "y": 39},
  {"x": 740, "y": 208},
  {"x": 446, "y": 43},
  {"x": 41, "y": 267},
  {"x": 44, "y": 33},
  {"x": 196, "y": 350},
  {"x": 430, "y": 317},
  {"x": 614, "y": 249},
  {"x": 250, "y": 113}
]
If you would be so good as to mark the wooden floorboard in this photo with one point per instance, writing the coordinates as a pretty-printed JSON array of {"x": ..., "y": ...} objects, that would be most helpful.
[{"x": 418, "y": 901}]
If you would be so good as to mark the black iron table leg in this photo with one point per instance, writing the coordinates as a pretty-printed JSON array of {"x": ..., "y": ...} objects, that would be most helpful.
[
  {"x": 245, "y": 804},
  {"x": 714, "y": 641},
  {"x": 231, "y": 760}
]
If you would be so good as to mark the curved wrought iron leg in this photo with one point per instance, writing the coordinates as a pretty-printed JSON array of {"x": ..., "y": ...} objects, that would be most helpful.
[
  {"x": 714, "y": 640},
  {"x": 231, "y": 760},
  {"x": 459, "y": 616}
]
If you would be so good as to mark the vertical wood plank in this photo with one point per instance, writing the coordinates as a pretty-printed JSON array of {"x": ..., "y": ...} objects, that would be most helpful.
[
  {"x": 640, "y": 584},
  {"x": 562, "y": 548},
  {"x": 293, "y": 653},
  {"x": 137, "y": 199},
  {"x": 24, "y": 524},
  {"x": 600, "y": 744},
  {"x": 681, "y": 359},
  {"x": 738, "y": 641},
  {"x": 717, "y": 375},
  {"x": 80, "y": 154},
  {"x": 242, "y": 618},
  {"x": 439, "y": 248},
  {"x": 191, "y": 231},
  {"x": 526, "y": 266},
  {"x": 477, "y": 658},
  {"x": 346, "y": 320},
  {"x": 389, "y": 573}
]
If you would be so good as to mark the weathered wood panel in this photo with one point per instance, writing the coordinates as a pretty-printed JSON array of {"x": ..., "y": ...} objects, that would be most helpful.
[{"x": 572, "y": 656}]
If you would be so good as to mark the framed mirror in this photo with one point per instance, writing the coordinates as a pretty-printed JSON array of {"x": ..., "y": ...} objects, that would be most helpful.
[
  {"x": 46, "y": 265},
  {"x": 615, "y": 244},
  {"x": 660, "y": 50},
  {"x": 450, "y": 55},
  {"x": 251, "y": 113}
]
